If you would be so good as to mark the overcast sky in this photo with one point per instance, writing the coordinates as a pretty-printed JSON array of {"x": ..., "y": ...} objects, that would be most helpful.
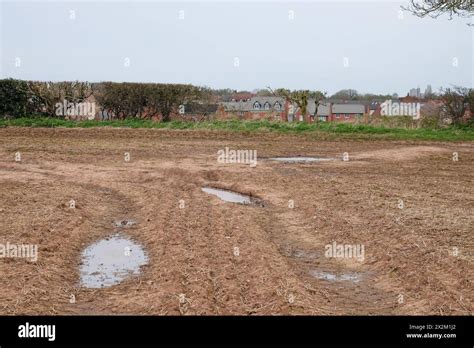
[{"x": 327, "y": 45}]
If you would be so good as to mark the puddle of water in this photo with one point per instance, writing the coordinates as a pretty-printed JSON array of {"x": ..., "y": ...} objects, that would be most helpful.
[
  {"x": 111, "y": 260},
  {"x": 228, "y": 196},
  {"x": 124, "y": 223},
  {"x": 301, "y": 159},
  {"x": 352, "y": 277}
]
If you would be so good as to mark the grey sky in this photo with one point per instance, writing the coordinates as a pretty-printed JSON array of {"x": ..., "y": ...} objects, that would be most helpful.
[{"x": 385, "y": 53}]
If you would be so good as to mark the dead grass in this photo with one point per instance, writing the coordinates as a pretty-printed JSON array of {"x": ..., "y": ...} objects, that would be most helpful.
[{"x": 407, "y": 251}]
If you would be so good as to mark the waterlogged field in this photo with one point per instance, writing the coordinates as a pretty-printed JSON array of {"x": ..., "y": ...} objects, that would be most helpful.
[{"x": 383, "y": 227}]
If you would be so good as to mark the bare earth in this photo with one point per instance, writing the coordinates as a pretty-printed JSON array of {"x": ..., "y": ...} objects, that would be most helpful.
[{"x": 418, "y": 258}]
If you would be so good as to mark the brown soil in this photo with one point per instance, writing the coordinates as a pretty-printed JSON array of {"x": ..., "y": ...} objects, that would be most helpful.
[{"x": 409, "y": 265}]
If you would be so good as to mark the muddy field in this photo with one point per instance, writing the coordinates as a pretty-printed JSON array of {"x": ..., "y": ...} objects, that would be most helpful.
[{"x": 410, "y": 206}]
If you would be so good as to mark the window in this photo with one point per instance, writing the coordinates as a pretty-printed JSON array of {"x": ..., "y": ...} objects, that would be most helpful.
[
  {"x": 337, "y": 115},
  {"x": 277, "y": 106},
  {"x": 256, "y": 105},
  {"x": 267, "y": 106},
  {"x": 348, "y": 115}
]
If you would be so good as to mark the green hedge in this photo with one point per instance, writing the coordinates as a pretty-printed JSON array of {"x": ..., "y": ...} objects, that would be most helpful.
[
  {"x": 14, "y": 98},
  {"x": 122, "y": 100}
]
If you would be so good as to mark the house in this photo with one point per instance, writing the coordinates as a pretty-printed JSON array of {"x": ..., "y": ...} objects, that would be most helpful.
[
  {"x": 257, "y": 107},
  {"x": 267, "y": 104},
  {"x": 346, "y": 112},
  {"x": 277, "y": 108}
]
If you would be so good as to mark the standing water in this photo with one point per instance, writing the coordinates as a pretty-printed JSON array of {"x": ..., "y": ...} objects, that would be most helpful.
[
  {"x": 111, "y": 260},
  {"x": 228, "y": 196},
  {"x": 352, "y": 277},
  {"x": 300, "y": 159}
]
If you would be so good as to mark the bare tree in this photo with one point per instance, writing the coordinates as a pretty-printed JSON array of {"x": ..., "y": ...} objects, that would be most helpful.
[
  {"x": 436, "y": 8},
  {"x": 300, "y": 98},
  {"x": 456, "y": 101},
  {"x": 166, "y": 98},
  {"x": 48, "y": 94}
]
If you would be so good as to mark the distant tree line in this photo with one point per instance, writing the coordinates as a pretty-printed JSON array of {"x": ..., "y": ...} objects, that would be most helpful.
[
  {"x": 352, "y": 94},
  {"x": 145, "y": 100},
  {"x": 119, "y": 100}
]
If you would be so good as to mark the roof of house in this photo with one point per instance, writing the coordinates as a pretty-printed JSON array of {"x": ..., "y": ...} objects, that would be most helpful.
[
  {"x": 323, "y": 109},
  {"x": 249, "y": 105},
  {"x": 233, "y": 106},
  {"x": 345, "y": 101},
  {"x": 348, "y": 109},
  {"x": 262, "y": 100}
]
